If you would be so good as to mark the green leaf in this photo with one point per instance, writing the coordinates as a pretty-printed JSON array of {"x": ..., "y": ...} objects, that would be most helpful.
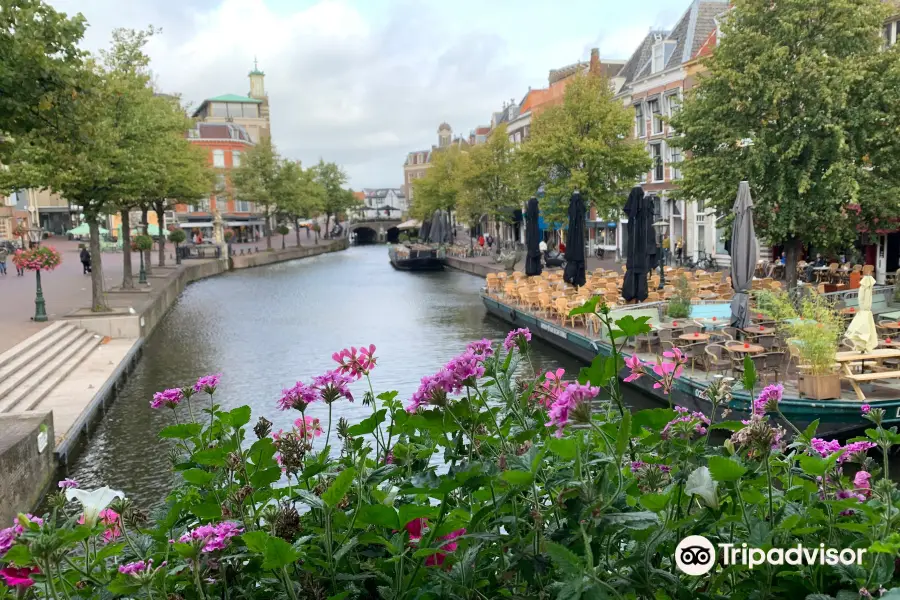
[
  {"x": 240, "y": 416},
  {"x": 632, "y": 327},
  {"x": 369, "y": 424},
  {"x": 265, "y": 477},
  {"x": 811, "y": 429},
  {"x": 812, "y": 465},
  {"x": 654, "y": 502},
  {"x": 347, "y": 547},
  {"x": 310, "y": 499},
  {"x": 379, "y": 514},
  {"x": 633, "y": 520},
  {"x": 278, "y": 554},
  {"x": 214, "y": 457},
  {"x": 123, "y": 585},
  {"x": 180, "y": 432},
  {"x": 19, "y": 554},
  {"x": 589, "y": 307},
  {"x": 749, "y": 378},
  {"x": 624, "y": 434},
  {"x": 408, "y": 512},
  {"x": 565, "y": 559},
  {"x": 518, "y": 478},
  {"x": 729, "y": 425},
  {"x": 197, "y": 477},
  {"x": 725, "y": 469},
  {"x": 562, "y": 447},
  {"x": 341, "y": 596},
  {"x": 256, "y": 541},
  {"x": 339, "y": 487},
  {"x": 207, "y": 511},
  {"x": 653, "y": 419},
  {"x": 185, "y": 550}
]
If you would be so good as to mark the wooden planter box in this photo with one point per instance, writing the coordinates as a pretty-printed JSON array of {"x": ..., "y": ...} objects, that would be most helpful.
[{"x": 819, "y": 387}]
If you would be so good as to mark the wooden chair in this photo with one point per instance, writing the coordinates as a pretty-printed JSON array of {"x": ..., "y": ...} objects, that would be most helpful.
[
  {"x": 775, "y": 364},
  {"x": 545, "y": 303},
  {"x": 717, "y": 358}
]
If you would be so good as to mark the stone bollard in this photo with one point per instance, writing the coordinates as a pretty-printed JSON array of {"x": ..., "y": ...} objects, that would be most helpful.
[{"x": 242, "y": 251}]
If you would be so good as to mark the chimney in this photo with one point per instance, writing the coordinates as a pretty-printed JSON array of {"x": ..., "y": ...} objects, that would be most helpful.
[{"x": 594, "y": 68}]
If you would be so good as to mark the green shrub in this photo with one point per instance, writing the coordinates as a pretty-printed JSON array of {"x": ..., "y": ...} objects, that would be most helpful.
[{"x": 680, "y": 304}]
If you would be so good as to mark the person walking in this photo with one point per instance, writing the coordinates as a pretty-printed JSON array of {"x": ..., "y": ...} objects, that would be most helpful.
[
  {"x": 20, "y": 270},
  {"x": 85, "y": 261},
  {"x": 4, "y": 254},
  {"x": 679, "y": 250}
]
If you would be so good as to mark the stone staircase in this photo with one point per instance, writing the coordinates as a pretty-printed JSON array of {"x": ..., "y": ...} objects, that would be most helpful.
[{"x": 31, "y": 370}]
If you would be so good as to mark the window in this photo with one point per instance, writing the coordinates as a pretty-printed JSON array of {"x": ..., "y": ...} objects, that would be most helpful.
[
  {"x": 673, "y": 101},
  {"x": 251, "y": 111},
  {"x": 241, "y": 206},
  {"x": 235, "y": 158},
  {"x": 656, "y": 153},
  {"x": 220, "y": 184},
  {"x": 720, "y": 240},
  {"x": 889, "y": 34},
  {"x": 656, "y": 115},
  {"x": 203, "y": 205},
  {"x": 219, "y": 110},
  {"x": 675, "y": 159},
  {"x": 640, "y": 123},
  {"x": 218, "y": 158},
  {"x": 659, "y": 56}
]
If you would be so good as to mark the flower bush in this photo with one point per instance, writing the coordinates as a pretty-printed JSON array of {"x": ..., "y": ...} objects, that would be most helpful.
[
  {"x": 484, "y": 484},
  {"x": 39, "y": 258},
  {"x": 141, "y": 242}
]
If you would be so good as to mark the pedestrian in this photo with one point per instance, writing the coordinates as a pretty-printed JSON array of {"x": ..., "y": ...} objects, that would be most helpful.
[
  {"x": 679, "y": 249},
  {"x": 562, "y": 247},
  {"x": 4, "y": 254},
  {"x": 666, "y": 247},
  {"x": 490, "y": 241},
  {"x": 20, "y": 270},
  {"x": 85, "y": 261},
  {"x": 481, "y": 241}
]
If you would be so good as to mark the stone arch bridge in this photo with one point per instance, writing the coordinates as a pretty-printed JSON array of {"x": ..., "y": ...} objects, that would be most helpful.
[{"x": 372, "y": 231}]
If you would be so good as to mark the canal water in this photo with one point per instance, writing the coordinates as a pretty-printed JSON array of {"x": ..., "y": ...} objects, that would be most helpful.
[{"x": 264, "y": 329}]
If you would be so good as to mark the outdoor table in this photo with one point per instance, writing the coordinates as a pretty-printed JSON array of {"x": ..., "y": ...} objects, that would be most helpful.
[
  {"x": 850, "y": 310},
  {"x": 846, "y": 358},
  {"x": 890, "y": 325},
  {"x": 745, "y": 348},
  {"x": 756, "y": 330},
  {"x": 707, "y": 295},
  {"x": 889, "y": 344},
  {"x": 694, "y": 337}
]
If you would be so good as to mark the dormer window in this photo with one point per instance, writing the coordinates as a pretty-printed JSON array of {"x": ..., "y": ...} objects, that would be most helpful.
[{"x": 662, "y": 51}]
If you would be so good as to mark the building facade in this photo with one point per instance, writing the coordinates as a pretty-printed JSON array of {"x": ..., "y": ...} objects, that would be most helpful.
[
  {"x": 250, "y": 112},
  {"x": 653, "y": 83},
  {"x": 383, "y": 203},
  {"x": 419, "y": 161}
]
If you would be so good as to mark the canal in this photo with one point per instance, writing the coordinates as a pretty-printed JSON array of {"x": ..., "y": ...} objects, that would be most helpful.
[{"x": 266, "y": 328}]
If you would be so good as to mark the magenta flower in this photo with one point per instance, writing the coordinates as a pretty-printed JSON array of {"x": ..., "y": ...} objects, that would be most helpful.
[
  {"x": 826, "y": 448},
  {"x": 415, "y": 529},
  {"x": 862, "y": 484},
  {"x": 308, "y": 427},
  {"x": 462, "y": 371},
  {"x": 298, "y": 397},
  {"x": 353, "y": 364},
  {"x": 865, "y": 409},
  {"x": 168, "y": 398},
  {"x": 9, "y": 535},
  {"x": 68, "y": 483},
  {"x": 685, "y": 425},
  {"x": 207, "y": 383},
  {"x": 333, "y": 385},
  {"x": 634, "y": 363},
  {"x": 18, "y": 577},
  {"x": 212, "y": 537},
  {"x": 449, "y": 545},
  {"x": 768, "y": 399},
  {"x": 481, "y": 348},
  {"x": 637, "y": 465},
  {"x": 518, "y": 337},
  {"x": 110, "y": 519},
  {"x": 573, "y": 396},
  {"x": 133, "y": 568}
]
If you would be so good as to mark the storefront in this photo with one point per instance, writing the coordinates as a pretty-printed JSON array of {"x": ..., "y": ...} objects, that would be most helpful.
[{"x": 888, "y": 255}]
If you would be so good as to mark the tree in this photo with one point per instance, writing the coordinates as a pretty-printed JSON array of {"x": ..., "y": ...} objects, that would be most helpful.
[
  {"x": 335, "y": 199},
  {"x": 442, "y": 185},
  {"x": 256, "y": 180},
  {"x": 800, "y": 101},
  {"x": 299, "y": 196},
  {"x": 490, "y": 182},
  {"x": 583, "y": 144}
]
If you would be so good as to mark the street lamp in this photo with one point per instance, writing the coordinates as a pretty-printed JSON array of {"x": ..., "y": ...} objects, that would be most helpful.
[
  {"x": 660, "y": 227},
  {"x": 40, "y": 308}
]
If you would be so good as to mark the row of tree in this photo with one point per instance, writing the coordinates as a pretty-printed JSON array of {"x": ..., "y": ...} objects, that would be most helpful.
[{"x": 801, "y": 99}]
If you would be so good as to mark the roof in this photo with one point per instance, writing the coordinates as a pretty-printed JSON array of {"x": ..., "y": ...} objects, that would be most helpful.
[
  {"x": 359, "y": 195},
  {"x": 567, "y": 71},
  {"x": 381, "y": 192},
  {"x": 219, "y": 131},
  {"x": 686, "y": 39},
  {"x": 709, "y": 45},
  {"x": 233, "y": 98}
]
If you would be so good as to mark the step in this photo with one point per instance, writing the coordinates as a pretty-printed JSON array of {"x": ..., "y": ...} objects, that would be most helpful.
[
  {"x": 37, "y": 395},
  {"x": 33, "y": 359},
  {"x": 28, "y": 343},
  {"x": 12, "y": 401}
]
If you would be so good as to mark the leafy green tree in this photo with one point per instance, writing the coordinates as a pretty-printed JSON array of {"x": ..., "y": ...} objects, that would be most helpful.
[
  {"x": 801, "y": 102},
  {"x": 256, "y": 180},
  {"x": 299, "y": 195},
  {"x": 443, "y": 184},
  {"x": 336, "y": 200},
  {"x": 582, "y": 144},
  {"x": 490, "y": 182}
]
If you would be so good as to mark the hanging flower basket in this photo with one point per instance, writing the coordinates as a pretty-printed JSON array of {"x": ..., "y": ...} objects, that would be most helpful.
[
  {"x": 20, "y": 231},
  {"x": 141, "y": 242},
  {"x": 229, "y": 235},
  {"x": 42, "y": 258}
]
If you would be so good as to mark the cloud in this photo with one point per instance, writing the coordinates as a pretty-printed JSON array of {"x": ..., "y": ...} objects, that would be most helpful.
[{"x": 359, "y": 84}]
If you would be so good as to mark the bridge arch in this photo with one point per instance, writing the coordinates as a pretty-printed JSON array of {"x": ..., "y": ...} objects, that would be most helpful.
[{"x": 371, "y": 231}]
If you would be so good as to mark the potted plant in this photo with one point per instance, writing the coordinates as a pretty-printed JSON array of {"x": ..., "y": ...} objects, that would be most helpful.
[
  {"x": 815, "y": 328},
  {"x": 283, "y": 231},
  {"x": 229, "y": 236},
  {"x": 680, "y": 304},
  {"x": 177, "y": 236},
  {"x": 37, "y": 259}
]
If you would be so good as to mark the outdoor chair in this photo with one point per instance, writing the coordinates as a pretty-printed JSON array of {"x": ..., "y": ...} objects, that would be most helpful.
[
  {"x": 766, "y": 341},
  {"x": 775, "y": 364},
  {"x": 737, "y": 363},
  {"x": 717, "y": 358},
  {"x": 691, "y": 328}
]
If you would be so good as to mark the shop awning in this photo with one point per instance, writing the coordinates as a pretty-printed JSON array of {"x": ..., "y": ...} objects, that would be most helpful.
[
  {"x": 198, "y": 225},
  {"x": 411, "y": 224},
  {"x": 243, "y": 223}
]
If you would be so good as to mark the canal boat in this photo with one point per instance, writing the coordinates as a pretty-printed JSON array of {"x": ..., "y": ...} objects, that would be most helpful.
[
  {"x": 416, "y": 257},
  {"x": 837, "y": 418}
]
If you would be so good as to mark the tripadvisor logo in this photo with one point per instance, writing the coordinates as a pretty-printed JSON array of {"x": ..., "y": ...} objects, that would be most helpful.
[{"x": 695, "y": 555}]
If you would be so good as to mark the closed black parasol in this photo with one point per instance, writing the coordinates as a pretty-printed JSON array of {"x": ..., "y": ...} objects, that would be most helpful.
[
  {"x": 532, "y": 238},
  {"x": 574, "y": 273},
  {"x": 640, "y": 250},
  {"x": 424, "y": 231}
]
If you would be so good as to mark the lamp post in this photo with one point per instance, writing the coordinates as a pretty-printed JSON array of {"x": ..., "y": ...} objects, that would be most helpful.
[{"x": 40, "y": 308}]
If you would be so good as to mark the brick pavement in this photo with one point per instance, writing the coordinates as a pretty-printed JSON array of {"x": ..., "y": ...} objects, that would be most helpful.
[{"x": 67, "y": 288}]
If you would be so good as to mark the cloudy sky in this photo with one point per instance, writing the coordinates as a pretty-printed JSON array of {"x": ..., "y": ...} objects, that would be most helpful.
[{"x": 362, "y": 82}]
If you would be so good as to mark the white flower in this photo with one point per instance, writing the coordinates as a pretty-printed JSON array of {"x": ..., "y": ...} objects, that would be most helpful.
[
  {"x": 701, "y": 483},
  {"x": 93, "y": 502}
]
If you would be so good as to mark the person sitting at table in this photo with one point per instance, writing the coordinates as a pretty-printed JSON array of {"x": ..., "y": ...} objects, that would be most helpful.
[
  {"x": 819, "y": 262},
  {"x": 777, "y": 263}
]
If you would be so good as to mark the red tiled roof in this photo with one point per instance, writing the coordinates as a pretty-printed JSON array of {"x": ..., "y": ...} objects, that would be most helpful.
[{"x": 709, "y": 45}]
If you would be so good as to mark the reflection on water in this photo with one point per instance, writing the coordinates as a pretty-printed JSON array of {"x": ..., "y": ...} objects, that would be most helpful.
[{"x": 266, "y": 328}]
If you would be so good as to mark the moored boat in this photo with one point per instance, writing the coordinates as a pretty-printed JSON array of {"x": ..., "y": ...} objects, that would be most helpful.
[{"x": 416, "y": 257}]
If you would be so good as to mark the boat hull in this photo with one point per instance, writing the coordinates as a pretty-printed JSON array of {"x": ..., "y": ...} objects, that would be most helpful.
[
  {"x": 837, "y": 418},
  {"x": 418, "y": 264}
]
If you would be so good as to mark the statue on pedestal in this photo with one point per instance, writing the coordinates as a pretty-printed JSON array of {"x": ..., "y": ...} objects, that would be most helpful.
[{"x": 219, "y": 233}]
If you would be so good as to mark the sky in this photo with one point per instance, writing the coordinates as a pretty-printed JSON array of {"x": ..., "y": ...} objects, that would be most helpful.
[{"x": 364, "y": 82}]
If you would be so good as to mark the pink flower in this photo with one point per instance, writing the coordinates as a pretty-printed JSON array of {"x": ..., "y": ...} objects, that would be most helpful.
[
  {"x": 865, "y": 409},
  {"x": 333, "y": 385},
  {"x": 298, "y": 397},
  {"x": 9, "y": 535},
  {"x": 518, "y": 337},
  {"x": 862, "y": 484},
  {"x": 207, "y": 383},
  {"x": 634, "y": 363},
  {"x": 212, "y": 537},
  {"x": 18, "y": 577},
  {"x": 415, "y": 529},
  {"x": 460, "y": 372},
  {"x": 449, "y": 545},
  {"x": 309, "y": 427},
  {"x": 686, "y": 425},
  {"x": 481, "y": 348},
  {"x": 68, "y": 483},
  {"x": 573, "y": 396},
  {"x": 110, "y": 519},
  {"x": 133, "y": 568},
  {"x": 355, "y": 365},
  {"x": 827, "y": 448},
  {"x": 668, "y": 372},
  {"x": 768, "y": 399},
  {"x": 168, "y": 398}
]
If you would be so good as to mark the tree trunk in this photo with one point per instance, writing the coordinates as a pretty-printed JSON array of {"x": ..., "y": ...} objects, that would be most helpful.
[
  {"x": 497, "y": 239},
  {"x": 327, "y": 224},
  {"x": 148, "y": 268},
  {"x": 268, "y": 225},
  {"x": 792, "y": 248},
  {"x": 127, "y": 277},
  {"x": 297, "y": 230},
  {"x": 161, "y": 220},
  {"x": 98, "y": 300}
]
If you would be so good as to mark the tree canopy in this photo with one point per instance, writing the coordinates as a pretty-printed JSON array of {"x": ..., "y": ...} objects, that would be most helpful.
[
  {"x": 442, "y": 184},
  {"x": 582, "y": 144},
  {"x": 256, "y": 180},
  {"x": 800, "y": 101},
  {"x": 490, "y": 181}
]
